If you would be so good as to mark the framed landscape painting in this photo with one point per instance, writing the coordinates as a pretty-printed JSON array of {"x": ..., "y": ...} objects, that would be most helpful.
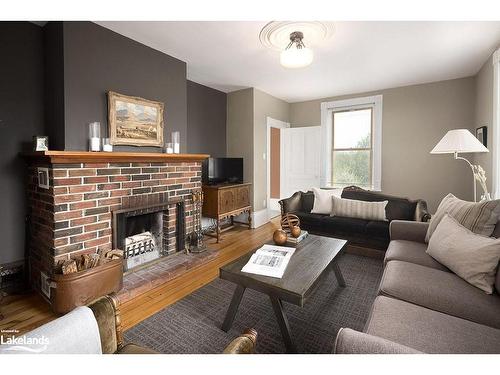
[{"x": 134, "y": 121}]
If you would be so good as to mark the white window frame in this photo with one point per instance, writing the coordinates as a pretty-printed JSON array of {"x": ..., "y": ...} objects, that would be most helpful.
[
  {"x": 496, "y": 125},
  {"x": 327, "y": 110}
]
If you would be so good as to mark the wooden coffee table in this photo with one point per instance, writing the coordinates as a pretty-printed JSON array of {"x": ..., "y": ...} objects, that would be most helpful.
[{"x": 313, "y": 257}]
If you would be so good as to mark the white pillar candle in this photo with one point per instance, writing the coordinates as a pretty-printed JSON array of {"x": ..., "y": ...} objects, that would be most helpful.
[{"x": 95, "y": 144}]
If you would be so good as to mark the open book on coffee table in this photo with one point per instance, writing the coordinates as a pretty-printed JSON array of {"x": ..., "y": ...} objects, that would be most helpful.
[{"x": 269, "y": 260}]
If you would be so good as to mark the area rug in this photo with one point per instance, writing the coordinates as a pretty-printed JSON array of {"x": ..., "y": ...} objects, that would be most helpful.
[{"x": 192, "y": 325}]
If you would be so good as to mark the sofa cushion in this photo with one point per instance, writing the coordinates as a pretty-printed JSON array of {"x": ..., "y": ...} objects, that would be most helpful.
[
  {"x": 323, "y": 201},
  {"x": 429, "y": 331},
  {"x": 358, "y": 209},
  {"x": 397, "y": 208},
  {"x": 440, "y": 291},
  {"x": 469, "y": 255},
  {"x": 345, "y": 225},
  {"x": 412, "y": 252},
  {"x": 378, "y": 229},
  {"x": 308, "y": 220},
  {"x": 480, "y": 217}
]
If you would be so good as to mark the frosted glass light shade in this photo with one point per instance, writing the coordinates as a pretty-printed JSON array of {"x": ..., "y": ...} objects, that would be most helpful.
[
  {"x": 294, "y": 57},
  {"x": 459, "y": 141}
]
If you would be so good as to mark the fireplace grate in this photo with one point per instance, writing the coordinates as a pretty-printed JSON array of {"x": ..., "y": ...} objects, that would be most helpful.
[{"x": 139, "y": 244}]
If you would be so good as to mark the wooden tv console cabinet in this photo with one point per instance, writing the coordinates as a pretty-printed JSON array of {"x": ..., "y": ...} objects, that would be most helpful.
[{"x": 226, "y": 201}]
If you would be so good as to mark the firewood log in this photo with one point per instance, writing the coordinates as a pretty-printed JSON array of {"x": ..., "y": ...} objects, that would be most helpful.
[
  {"x": 114, "y": 253},
  {"x": 69, "y": 266}
]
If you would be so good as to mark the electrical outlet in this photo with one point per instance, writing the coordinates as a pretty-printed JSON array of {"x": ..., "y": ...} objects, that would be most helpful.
[{"x": 264, "y": 156}]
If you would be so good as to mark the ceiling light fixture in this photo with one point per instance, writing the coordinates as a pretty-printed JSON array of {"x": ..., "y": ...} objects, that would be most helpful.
[{"x": 296, "y": 54}]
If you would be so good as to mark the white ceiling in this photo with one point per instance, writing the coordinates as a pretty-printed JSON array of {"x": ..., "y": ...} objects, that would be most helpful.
[{"x": 359, "y": 57}]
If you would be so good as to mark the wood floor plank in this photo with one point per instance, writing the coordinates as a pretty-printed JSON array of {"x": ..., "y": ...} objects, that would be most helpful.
[{"x": 28, "y": 311}]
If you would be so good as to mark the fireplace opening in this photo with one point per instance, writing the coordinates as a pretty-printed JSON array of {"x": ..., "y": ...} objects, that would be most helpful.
[
  {"x": 148, "y": 233},
  {"x": 143, "y": 238}
]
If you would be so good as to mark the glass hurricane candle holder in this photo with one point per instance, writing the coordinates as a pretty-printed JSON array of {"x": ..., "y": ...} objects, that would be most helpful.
[
  {"x": 106, "y": 145},
  {"x": 95, "y": 136},
  {"x": 176, "y": 141},
  {"x": 169, "y": 148}
]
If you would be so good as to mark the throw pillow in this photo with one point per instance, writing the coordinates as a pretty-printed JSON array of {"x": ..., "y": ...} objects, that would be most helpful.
[
  {"x": 480, "y": 217},
  {"x": 323, "y": 201},
  {"x": 359, "y": 209},
  {"x": 469, "y": 255}
]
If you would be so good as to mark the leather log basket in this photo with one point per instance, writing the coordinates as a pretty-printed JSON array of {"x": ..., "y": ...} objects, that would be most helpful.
[{"x": 81, "y": 288}]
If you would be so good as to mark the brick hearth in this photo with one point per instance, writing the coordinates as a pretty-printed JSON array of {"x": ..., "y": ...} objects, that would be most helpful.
[
  {"x": 74, "y": 215},
  {"x": 160, "y": 272}
]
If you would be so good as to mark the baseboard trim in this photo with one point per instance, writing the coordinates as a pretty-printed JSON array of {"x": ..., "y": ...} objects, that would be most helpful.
[{"x": 259, "y": 218}]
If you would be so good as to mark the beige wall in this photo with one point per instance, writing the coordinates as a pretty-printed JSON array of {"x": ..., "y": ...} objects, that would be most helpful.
[
  {"x": 239, "y": 129},
  {"x": 247, "y": 112},
  {"x": 414, "y": 119},
  {"x": 484, "y": 117},
  {"x": 265, "y": 106}
]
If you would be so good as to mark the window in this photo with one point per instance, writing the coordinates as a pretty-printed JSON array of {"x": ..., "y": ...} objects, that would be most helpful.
[
  {"x": 352, "y": 148},
  {"x": 352, "y": 143}
]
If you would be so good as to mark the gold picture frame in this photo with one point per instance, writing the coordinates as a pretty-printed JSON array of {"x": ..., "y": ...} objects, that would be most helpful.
[{"x": 134, "y": 121}]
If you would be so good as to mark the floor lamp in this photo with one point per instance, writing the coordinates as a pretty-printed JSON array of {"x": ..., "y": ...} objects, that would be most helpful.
[{"x": 460, "y": 141}]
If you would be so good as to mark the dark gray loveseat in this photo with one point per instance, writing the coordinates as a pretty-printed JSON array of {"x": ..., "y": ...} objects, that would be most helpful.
[{"x": 359, "y": 232}]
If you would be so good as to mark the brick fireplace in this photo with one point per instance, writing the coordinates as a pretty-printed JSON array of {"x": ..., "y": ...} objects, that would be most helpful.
[{"x": 94, "y": 201}]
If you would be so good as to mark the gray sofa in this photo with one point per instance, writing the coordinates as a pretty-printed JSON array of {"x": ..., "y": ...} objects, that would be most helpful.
[{"x": 422, "y": 307}]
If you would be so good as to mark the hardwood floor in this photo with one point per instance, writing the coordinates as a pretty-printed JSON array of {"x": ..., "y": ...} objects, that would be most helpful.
[{"x": 27, "y": 311}]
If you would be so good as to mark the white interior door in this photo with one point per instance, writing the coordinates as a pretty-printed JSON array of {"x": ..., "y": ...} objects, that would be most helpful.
[{"x": 300, "y": 159}]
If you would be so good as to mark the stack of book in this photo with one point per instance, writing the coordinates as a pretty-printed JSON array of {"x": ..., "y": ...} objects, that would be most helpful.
[{"x": 293, "y": 240}]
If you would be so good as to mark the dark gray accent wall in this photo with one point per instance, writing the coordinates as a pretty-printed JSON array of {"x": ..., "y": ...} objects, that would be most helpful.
[
  {"x": 97, "y": 60},
  {"x": 54, "y": 84},
  {"x": 21, "y": 117},
  {"x": 206, "y": 118},
  {"x": 53, "y": 81}
]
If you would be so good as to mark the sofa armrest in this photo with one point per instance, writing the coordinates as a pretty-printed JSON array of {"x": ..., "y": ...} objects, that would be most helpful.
[
  {"x": 292, "y": 204},
  {"x": 349, "y": 341},
  {"x": 421, "y": 213},
  {"x": 408, "y": 230},
  {"x": 244, "y": 344},
  {"x": 107, "y": 314}
]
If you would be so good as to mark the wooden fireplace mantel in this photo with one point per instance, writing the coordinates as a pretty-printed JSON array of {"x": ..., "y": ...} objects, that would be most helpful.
[{"x": 65, "y": 157}]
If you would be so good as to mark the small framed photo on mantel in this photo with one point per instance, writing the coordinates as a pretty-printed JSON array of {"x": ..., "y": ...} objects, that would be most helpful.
[
  {"x": 40, "y": 143},
  {"x": 482, "y": 135}
]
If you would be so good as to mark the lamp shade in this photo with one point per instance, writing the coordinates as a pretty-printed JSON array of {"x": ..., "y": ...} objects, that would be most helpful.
[
  {"x": 294, "y": 57},
  {"x": 459, "y": 141}
]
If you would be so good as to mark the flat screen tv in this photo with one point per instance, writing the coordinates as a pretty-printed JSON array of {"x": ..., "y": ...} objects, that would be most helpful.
[{"x": 222, "y": 170}]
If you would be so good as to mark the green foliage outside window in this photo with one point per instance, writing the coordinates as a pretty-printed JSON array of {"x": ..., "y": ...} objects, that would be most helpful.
[{"x": 353, "y": 167}]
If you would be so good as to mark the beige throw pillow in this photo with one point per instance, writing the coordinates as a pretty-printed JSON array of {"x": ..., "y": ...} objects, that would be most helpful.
[
  {"x": 471, "y": 256},
  {"x": 323, "y": 200},
  {"x": 359, "y": 209},
  {"x": 480, "y": 217}
]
